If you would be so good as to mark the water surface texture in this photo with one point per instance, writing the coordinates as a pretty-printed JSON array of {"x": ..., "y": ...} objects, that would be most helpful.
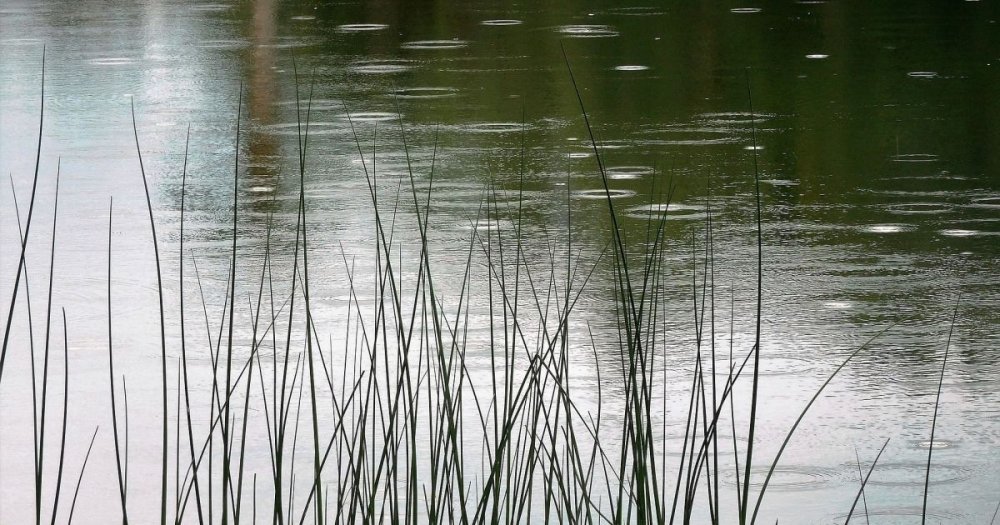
[{"x": 875, "y": 127}]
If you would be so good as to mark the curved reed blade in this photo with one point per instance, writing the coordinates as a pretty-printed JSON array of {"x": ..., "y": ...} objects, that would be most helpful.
[
  {"x": 39, "y": 471},
  {"x": 65, "y": 416},
  {"x": 760, "y": 287},
  {"x": 164, "y": 464},
  {"x": 226, "y": 428},
  {"x": 111, "y": 382},
  {"x": 937, "y": 402},
  {"x": 27, "y": 224},
  {"x": 802, "y": 415},
  {"x": 184, "y": 357},
  {"x": 79, "y": 480},
  {"x": 861, "y": 489}
]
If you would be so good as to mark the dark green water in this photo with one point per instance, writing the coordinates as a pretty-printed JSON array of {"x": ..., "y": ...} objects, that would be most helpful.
[{"x": 877, "y": 127}]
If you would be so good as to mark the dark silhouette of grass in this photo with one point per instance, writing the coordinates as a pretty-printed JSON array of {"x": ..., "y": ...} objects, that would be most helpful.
[
  {"x": 864, "y": 481},
  {"x": 27, "y": 223},
  {"x": 163, "y": 326},
  {"x": 937, "y": 402},
  {"x": 408, "y": 432}
]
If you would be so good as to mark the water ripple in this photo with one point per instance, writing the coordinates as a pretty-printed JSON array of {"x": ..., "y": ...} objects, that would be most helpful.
[
  {"x": 587, "y": 31},
  {"x": 360, "y": 28},
  {"x": 434, "y": 44}
]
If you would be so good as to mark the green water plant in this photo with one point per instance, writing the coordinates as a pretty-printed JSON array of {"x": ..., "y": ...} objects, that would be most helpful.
[{"x": 424, "y": 422}]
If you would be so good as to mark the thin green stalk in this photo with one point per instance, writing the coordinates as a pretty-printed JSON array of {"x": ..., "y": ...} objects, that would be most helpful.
[
  {"x": 756, "y": 355},
  {"x": 27, "y": 224},
  {"x": 65, "y": 416},
  {"x": 226, "y": 431},
  {"x": 184, "y": 361},
  {"x": 303, "y": 142},
  {"x": 111, "y": 382},
  {"x": 79, "y": 480},
  {"x": 40, "y": 446},
  {"x": 861, "y": 489},
  {"x": 164, "y": 465},
  {"x": 937, "y": 402},
  {"x": 802, "y": 415}
]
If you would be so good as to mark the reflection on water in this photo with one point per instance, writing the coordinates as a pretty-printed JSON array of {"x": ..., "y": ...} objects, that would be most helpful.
[{"x": 876, "y": 149}]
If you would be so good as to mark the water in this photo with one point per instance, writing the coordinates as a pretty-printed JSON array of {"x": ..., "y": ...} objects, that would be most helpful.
[{"x": 876, "y": 139}]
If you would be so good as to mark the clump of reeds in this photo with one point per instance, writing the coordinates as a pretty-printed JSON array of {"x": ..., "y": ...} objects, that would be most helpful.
[{"x": 406, "y": 432}]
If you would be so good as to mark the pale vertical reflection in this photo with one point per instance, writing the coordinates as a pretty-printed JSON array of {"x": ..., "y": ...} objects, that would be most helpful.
[{"x": 262, "y": 149}]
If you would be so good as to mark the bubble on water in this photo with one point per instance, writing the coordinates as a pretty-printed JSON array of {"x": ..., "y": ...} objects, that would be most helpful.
[
  {"x": 744, "y": 10},
  {"x": 922, "y": 74},
  {"x": 817, "y": 56},
  {"x": 632, "y": 67}
]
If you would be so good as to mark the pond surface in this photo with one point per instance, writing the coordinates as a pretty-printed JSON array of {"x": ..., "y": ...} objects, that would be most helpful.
[{"x": 875, "y": 128}]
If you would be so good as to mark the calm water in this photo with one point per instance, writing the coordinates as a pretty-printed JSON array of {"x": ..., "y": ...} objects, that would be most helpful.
[{"x": 878, "y": 147}]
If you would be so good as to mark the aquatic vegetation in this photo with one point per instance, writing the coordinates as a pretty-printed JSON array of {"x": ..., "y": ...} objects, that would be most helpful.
[{"x": 423, "y": 422}]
